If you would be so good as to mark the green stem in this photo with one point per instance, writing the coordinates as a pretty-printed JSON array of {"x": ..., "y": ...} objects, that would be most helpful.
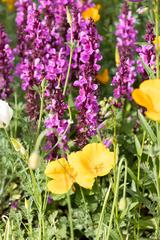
[
  {"x": 85, "y": 205},
  {"x": 156, "y": 12},
  {"x": 41, "y": 108},
  {"x": 68, "y": 71},
  {"x": 40, "y": 217},
  {"x": 36, "y": 193},
  {"x": 82, "y": 194},
  {"x": 29, "y": 223},
  {"x": 70, "y": 61},
  {"x": 102, "y": 212},
  {"x": 158, "y": 193},
  {"x": 70, "y": 217},
  {"x": 158, "y": 140},
  {"x": 16, "y": 114},
  {"x": 138, "y": 178},
  {"x": 7, "y": 135},
  {"x": 115, "y": 199}
]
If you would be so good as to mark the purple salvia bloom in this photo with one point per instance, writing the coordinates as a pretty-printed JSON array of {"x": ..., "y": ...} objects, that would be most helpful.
[
  {"x": 126, "y": 43},
  {"x": 85, "y": 63},
  {"x": 44, "y": 59},
  {"x": 124, "y": 79},
  {"x": 6, "y": 65},
  {"x": 45, "y": 56},
  {"x": 21, "y": 21},
  {"x": 147, "y": 53}
]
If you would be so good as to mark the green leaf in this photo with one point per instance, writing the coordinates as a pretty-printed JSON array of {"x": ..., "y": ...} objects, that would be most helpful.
[
  {"x": 138, "y": 146},
  {"x": 147, "y": 127},
  {"x": 149, "y": 71}
]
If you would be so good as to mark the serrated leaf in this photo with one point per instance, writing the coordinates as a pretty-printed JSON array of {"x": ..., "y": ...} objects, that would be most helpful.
[{"x": 138, "y": 146}]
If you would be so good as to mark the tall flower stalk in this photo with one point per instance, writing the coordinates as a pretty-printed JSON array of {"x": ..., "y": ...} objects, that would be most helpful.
[
  {"x": 126, "y": 44},
  {"x": 147, "y": 53},
  {"x": 6, "y": 65},
  {"x": 44, "y": 54},
  {"x": 85, "y": 67}
]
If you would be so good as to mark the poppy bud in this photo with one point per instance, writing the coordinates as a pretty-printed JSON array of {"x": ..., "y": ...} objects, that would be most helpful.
[{"x": 34, "y": 160}]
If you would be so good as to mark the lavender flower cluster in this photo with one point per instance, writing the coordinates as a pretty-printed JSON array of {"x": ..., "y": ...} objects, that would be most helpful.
[
  {"x": 6, "y": 65},
  {"x": 126, "y": 43},
  {"x": 42, "y": 35},
  {"x": 86, "y": 58}
]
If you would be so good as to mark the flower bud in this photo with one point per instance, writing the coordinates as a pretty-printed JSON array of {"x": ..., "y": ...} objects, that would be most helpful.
[
  {"x": 69, "y": 17},
  {"x": 18, "y": 146},
  {"x": 6, "y": 114},
  {"x": 122, "y": 204},
  {"x": 34, "y": 160},
  {"x": 142, "y": 10},
  {"x": 26, "y": 204}
]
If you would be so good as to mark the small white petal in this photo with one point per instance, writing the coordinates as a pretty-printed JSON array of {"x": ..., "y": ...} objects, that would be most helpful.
[{"x": 6, "y": 114}]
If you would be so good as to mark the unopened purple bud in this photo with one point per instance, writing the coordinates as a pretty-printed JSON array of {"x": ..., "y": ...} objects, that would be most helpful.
[
  {"x": 107, "y": 142},
  {"x": 14, "y": 204},
  {"x": 49, "y": 200}
]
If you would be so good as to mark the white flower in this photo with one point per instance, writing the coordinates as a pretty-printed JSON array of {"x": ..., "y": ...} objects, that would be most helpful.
[{"x": 6, "y": 114}]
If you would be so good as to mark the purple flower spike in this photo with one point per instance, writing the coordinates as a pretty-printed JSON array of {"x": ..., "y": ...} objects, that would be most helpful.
[
  {"x": 135, "y": 0},
  {"x": 42, "y": 35},
  {"x": 85, "y": 62},
  {"x": 6, "y": 65},
  {"x": 147, "y": 53},
  {"x": 126, "y": 43}
]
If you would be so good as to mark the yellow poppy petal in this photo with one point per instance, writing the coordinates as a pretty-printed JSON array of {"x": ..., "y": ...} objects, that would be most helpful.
[
  {"x": 155, "y": 116},
  {"x": 85, "y": 181},
  {"x": 142, "y": 99},
  {"x": 94, "y": 160},
  {"x": 63, "y": 176},
  {"x": 56, "y": 167},
  {"x": 59, "y": 186},
  {"x": 152, "y": 89},
  {"x": 99, "y": 158},
  {"x": 84, "y": 177},
  {"x": 91, "y": 13}
]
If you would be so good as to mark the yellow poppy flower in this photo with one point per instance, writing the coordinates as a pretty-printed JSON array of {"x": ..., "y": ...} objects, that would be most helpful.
[
  {"x": 10, "y": 4},
  {"x": 103, "y": 77},
  {"x": 63, "y": 176},
  {"x": 94, "y": 160},
  {"x": 92, "y": 12},
  {"x": 148, "y": 96},
  {"x": 157, "y": 40},
  {"x": 82, "y": 167}
]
